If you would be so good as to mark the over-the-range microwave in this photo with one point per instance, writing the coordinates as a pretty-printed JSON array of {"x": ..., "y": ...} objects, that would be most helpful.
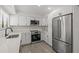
[{"x": 34, "y": 22}]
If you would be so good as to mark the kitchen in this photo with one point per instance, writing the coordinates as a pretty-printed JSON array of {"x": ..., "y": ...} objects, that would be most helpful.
[{"x": 22, "y": 26}]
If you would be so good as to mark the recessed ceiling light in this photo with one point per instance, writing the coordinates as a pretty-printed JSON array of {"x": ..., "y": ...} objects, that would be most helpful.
[{"x": 49, "y": 8}]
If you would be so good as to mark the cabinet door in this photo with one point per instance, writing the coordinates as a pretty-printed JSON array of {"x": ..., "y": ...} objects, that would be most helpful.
[
  {"x": 46, "y": 37},
  {"x": 28, "y": 37},
  {"x": 22, "y": 38},
  {"x": 14, "y": 20},
  {"x": 13, "y": 45},
  {"x": 44, "y": 22},
  {"x": 22, "y": 21},
  {"x": 28, "y": 21},
  {"x": 25, "y": 38}
]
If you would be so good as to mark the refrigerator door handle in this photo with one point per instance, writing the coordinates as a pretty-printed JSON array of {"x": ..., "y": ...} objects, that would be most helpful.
[{"x": 59, "y": 25}]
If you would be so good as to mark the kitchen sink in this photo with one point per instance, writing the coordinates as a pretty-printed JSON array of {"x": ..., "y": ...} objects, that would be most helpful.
[{"x": 12, "y": 36}]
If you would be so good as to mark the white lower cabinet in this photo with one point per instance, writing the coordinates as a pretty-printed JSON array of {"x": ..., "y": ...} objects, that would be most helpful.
[
  {"x": 25, "y": 38},
  {"x": 13, "y": 45},
  {"x": 3, "y": 45},
  {"x": 44, "y": 36}
]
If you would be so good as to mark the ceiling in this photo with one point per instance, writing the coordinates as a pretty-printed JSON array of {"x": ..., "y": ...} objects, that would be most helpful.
[
  {"x": 8, "y": 8},
  {"x": 37, "y": 10}
]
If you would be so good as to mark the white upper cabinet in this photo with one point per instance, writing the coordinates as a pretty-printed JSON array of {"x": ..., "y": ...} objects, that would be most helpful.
[
  {"x": 43, "y": 22},
  {"x": 14, "y": 20},
  {"x": 22, "y": 21},
  {"x": 28, "y": 21},
  {"x": 18, "y": 20}
]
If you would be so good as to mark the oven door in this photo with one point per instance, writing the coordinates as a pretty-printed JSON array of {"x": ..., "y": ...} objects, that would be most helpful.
[{"x": 35, "y": 37}]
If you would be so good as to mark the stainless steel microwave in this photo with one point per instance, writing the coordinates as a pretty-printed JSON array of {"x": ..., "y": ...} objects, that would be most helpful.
[{"x": 34, "y": 22}]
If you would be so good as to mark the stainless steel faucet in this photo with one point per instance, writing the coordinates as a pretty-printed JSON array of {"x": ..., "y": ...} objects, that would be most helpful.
[{"x": 6, "y": 34}]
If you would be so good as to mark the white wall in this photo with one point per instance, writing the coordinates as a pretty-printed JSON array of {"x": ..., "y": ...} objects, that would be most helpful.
[{"x": 55, "y": 14}]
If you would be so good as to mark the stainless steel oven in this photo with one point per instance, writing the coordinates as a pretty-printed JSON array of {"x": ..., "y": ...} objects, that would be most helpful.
[{"x": 35, "y": 35}]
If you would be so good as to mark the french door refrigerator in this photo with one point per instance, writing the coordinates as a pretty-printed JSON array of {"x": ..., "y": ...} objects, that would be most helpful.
[{"x": 62, "y": 33}]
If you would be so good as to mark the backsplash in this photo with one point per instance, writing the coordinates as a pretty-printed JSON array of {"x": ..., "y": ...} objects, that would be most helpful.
[{"x": 19, "y": 29}]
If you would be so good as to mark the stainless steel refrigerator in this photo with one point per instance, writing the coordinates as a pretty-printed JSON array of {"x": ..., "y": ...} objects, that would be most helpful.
[{"x": 62, "y": 33}]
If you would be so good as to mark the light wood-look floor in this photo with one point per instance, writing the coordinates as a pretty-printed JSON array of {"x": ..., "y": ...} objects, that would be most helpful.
[{"x": 40, "y": 47}]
